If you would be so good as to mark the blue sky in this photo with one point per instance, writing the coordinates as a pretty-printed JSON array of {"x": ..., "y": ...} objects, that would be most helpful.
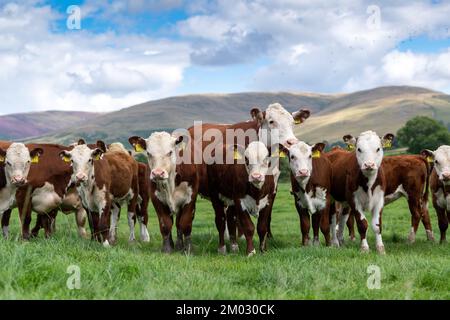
[{"x": 132, "y": 51}]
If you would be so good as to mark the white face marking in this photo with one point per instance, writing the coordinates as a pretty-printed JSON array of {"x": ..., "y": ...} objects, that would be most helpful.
[
  {"x": 442, "y": 163},
  {"x": 161, "y": 152},
  {"x": 278, "y": 126},
  {"x": 249, "y": 204},
  {"x": 82, "y": 163},
  {"x": 17, "y": 163},
  {"x": 369, "y": 152},
  {"x": 300, "y": 162},
  {"x": 257, "y": 163}
]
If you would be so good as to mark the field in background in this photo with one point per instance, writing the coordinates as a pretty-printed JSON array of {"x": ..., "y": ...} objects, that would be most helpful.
[{"x": 37, "y": 269}]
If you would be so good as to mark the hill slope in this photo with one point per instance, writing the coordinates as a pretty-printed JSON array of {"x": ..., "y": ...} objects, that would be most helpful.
[
  {"x": 380, "y": 109},
  {"x": 23, "y": 125}
]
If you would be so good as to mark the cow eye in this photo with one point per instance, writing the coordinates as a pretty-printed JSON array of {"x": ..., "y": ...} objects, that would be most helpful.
[
  {"x": 271, "y": 122},
  {"x": 292, "y": 157},
  {"x": 359, "y": 150},
  {"x": 8, "y": 163},
  {"x": 378, "y": 150},
  {"x": 436, "y": 162},
  {"x": 169, "y": 153}
]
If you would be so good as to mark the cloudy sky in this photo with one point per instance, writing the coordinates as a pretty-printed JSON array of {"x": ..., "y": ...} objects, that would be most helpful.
[{"x": 131, "y": 51}]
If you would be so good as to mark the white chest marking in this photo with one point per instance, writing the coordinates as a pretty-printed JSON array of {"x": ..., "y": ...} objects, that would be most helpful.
[
  {"x": 45, "y": 199},
  {"x": 7, "y": 198},
  {"x": 442, "y": 201},
  {"x": 94, "y": 201},
  {"x": 368, "y": 201},
  {"x": 181, "y": 196},
  {"x": 313, "y": 202},
  {"x": 249, "y": 204},
  {"x": 227, "y": 201}
]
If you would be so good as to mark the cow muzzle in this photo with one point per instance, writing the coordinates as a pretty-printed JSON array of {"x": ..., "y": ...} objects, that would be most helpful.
[
  {"x": 290, "y": 142},
  {"x": 81, "y": 178},
  {"x": 18, "y": 181},
  {"x": 446, "y": 176},
  {"x": 158, "y": 174},
  {"x": 257, "y": 179},
  {"x": 303, "y": 173},
  {"x": 369, "y": 166}
]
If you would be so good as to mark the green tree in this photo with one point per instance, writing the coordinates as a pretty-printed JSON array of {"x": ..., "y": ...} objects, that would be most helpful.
[{"x": 423, "y": 133}]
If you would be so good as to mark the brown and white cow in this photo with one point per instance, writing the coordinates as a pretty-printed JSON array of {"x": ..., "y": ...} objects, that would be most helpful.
[
  {"x": 173, "y": 188},
  {"x": 104, "y": 182},
  {"x": 440, "y": 185},
  {"x": 245, "y": 188},
  {"x": 359, "y": 182},
  {"x": 407, "y": 176},
  {"x": 15, "y": 164},
  {"x": 273, "y": 126},
  {"x": 311, "y": 176}
]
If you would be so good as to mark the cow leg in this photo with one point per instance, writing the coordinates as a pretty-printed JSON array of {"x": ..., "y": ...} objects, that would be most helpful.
[
  {"x": 187, "y": 217},
  {"x": 165, "y": 225},
  {"x": 263, "y": 227},
  {"x": 304, "y": 224},
  {"x": 247, "y": 227},
  {"x": 269, "y": 219},
  {"x": 414, "y": 209},
  {"x": 179, "y": 244},
  {"x": 80, "y": 219},
  {"x": 142, "y": 217},
  {"x": 350, "y": 224},
  {"x": 362, "y": 225},
  {"x": 115, "y": 209},
  {"x": 5, "y": 223},
  {"x": 49, "y": 222},
  {"x": 442, "y": 221},
  {"x": 344, "y": 215},
  {"x": 333, "y": 222},
  {"x": 315, "y": 226},
  {"x": 220, "y": 223},
  {"x": 40, "y": 221},
  {"x": 131, "y": 221},
  {"x": 325, "y": 223},
  {"x": 232, "y": 225},
  {"x": 104, "y": 223},
  {"x": 376, "y": 223},
  {"x": 427, "y": 222}
]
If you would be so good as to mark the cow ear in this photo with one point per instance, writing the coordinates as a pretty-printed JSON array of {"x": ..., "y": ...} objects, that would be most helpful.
[
  {"x": 35, "y": 154},
  {"x": 138, "y": 143},
  {"x": 301, "y": 115},
  {"x": 81, "y": 141},
  {"x": 2, "y": 155},
  {"x": 257, "y": 115},
  {"x": 238, "y": 151},
  {"x": 428, "y": 155},
  {"x": 350, "y": 141},
  {"x": 317, "y": 149},
  {"x": 281, "y": 151},
  {"x": 97, "y": 154},
  {"x": 386, "y": 141},
  {"x": 101, "y": 145},
  {"x": 65, "y": 156}
]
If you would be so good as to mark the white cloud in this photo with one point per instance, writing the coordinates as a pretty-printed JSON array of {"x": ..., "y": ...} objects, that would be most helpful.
[{"x": 78, "y": 70}]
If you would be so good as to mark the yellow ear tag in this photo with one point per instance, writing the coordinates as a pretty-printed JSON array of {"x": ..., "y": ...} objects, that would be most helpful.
[
  {"x": 138, "y": 147},
  {"x": 297, "y": 121},
  {"x": 350, "y": 147},
  {"x": 387, "y": 144},
  {"x": 97, "y": 157},
  {"x": 237, "y": 155},
  {"x": 66, "y": 159},
  {"x": 2, "y": 159},
  {"x": 316, "y": 154},
  {"x": 35, "y": 159},
  {"x": 430, "y": 159},
  {"x": 282, "y": 154},
  {"x": 182, "y": 145}
]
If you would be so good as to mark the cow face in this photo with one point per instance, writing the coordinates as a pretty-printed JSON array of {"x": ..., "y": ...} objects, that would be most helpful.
[
  {"x": 441, "y": 162},
  {"x": 257, "y": 162},
  {"x": 18, "y": 160},
  {"x": 161, "y": 148},
  {"x": 369, "y": 150},
  {"x": 82, "y": 158},
  {"x": 277, "y": 124},
  {"x": 300, "y": 159}
]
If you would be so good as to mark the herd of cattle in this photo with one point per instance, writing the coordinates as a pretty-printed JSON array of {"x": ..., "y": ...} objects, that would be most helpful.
[{"x": 333, "y": 189}]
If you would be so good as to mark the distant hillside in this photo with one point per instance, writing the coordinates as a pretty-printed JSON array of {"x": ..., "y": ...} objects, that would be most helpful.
[
  {"x": 380, "y": 109},
  {"x": 24, "y": 125}
]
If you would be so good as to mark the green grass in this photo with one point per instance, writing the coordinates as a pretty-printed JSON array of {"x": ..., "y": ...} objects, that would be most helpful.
[{"x": 37, "y": 269}]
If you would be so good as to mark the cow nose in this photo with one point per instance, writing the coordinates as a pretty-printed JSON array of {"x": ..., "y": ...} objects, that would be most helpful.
[
  {"x": 158, "y": 173},
  {"x": 81, "y": 177},
  {"x": 257, "y": 176},
  {"x": 291, "y": 142},
  {"x": 446, "y": 175},
  {"x": 18, "y": 180},
  {"x": 369, "y": 165},
  {"x": 303, "y": 173}
]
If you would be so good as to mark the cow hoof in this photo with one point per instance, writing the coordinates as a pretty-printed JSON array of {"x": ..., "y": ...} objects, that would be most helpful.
[
  {"x": 251, "y": 253},
  {"x": 430, "y": 235},
  {"x": 222, "y": 250},
  {"x": 365, "y": 249},
  {"x": 443, "y": 241},
  {"x": 412, "y": 237},
  {"x": 166, "y": 249},
  {"x": 341, "y": 241},
  {"x": 381, "y": 250},
  {"x": 106, "y": 244},
  {"x": 316, "y": 242},
  {"x": 188, "y": 249},
  {"x": 234, "y": 248},
  {"x": 353, "y": 238},
  {"x": 83, "y": 234},
  {"x": 145, "y": 237},
  {"x": 335, "y": 243}
]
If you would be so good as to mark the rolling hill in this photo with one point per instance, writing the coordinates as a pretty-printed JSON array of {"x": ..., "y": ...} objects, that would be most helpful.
[
  {"x": 381, "y": 109},
  {"x": 23, "y": 125}
]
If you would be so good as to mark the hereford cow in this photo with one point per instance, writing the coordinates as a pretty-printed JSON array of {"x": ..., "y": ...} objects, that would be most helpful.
[
  {"x": 359, "y": 182},
  {"x": 104, "y": 182},
  {"x": 440, "y": 185},
  {"x": 15, "y": 164},
  {"x": 273, "y": 126},
  {"x": 407, "y": 176},
  {"x": 173, "y": 188},
  {"x": 245, "y": 187},
  {"x": 311, "y": 186}
]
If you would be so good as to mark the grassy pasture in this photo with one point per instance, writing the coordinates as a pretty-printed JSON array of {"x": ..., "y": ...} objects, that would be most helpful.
[{"x": 38, "y": 269}]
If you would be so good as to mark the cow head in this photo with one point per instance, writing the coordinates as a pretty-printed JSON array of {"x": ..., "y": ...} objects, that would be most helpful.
[
  {"x": 277, "y": 124},
  {"x": 82, "y": 158},
  {"x": 257, "y": 161},
  {"x": 18, "y": 159},
  {"x": 441, "y": 162},
  {"x": 369, "y": 150},
  {"x": 300, "y": 157},
  {"x": 161, "y": 149}
]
